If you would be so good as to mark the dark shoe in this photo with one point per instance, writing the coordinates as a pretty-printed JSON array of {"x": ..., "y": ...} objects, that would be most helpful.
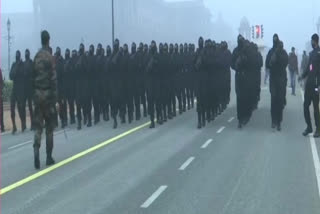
[
  {"x": 50, "y": 161},
  {"x": 199, "y": 126},
  {"x": 79, "y": 125},
  {"x": 307, "y": 131},
  {"x": 279, "y": 128},
  {"x": 14, "y": 130},
  {"x": 89, "y": 124},
  {"x": 115, "y": 124},
  {"x": 123, "y": 120},
  {"x": 316, "y": 134},
  {"x": 152, "y": 125},
  {"x": 23, "y": 128},
  {"x": 36, "y": 158},
  {"x": 73, "y": 121},
  {"x": 239, "y": 125}
]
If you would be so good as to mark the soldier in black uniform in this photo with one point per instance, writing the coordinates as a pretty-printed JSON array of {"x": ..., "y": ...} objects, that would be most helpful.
[
  {"x": 28, "y": 64},
  {"x": 201, "y": 81},
  {"x": 311, "y": 94},
  {"x": 18, "y": 92},
  {"x": 277, "y": 61},
  {"x": 98, "y": 84},
  {"x": 134, "y": 69},
  {"x": 69, "y": 82},
  {"x": 91, "y": 76},
  {"x": 62, "y": 101},
  {"x": 115, "y": 83},
  {"x": 81, "y": 83},
  {"x": 106, "y": 86},
  {"x": 143, "y": 89},
  {"x": 152, "y": 82},
  {"x": 126, "y": 106}
]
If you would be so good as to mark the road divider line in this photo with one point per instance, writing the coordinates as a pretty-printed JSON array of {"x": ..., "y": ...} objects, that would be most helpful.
[
  {"x": 206, "y": 144},
  {"x": 154, "y": 196},
  {"x": 186, "y": 164},
  {"x": 21, "y": 144},
  {"x": 316, "y": 161},
  {"x": 221, "y": 129},
  {"x": 70, "y": 159},
  {"x": 231, "y": 119}
]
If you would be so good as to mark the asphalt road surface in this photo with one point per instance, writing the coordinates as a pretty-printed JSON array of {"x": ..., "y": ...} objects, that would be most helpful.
[{"x": 174, "y": 168}]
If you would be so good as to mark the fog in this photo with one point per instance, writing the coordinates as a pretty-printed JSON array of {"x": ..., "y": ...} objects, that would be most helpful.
[{"x": 73, "y": 21}]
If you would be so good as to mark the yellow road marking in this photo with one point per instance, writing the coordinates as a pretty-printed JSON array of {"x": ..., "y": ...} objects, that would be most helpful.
[{"x": 68, "y": 160}]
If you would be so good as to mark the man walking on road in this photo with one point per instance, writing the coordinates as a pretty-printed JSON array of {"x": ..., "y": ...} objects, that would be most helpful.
[
  {"x": 293, "y": 69},
  {"x": 311, "y": 94},
  {"x": 45, "y": 98}
]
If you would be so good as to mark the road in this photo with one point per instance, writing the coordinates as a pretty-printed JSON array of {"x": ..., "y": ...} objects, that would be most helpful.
[{"x": 174, "y": 168}]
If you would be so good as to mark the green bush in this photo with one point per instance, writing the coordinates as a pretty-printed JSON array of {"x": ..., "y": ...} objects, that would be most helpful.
[{"x": 6, "y": 91}]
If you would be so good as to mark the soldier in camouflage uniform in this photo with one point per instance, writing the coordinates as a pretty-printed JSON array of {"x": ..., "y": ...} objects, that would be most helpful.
[{"x": 45, "y": 97}]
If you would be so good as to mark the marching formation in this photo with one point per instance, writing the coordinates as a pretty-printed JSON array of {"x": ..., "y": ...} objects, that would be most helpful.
[{"x": 159, "y": 81}]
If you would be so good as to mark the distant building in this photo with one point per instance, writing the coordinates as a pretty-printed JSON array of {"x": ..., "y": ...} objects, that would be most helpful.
[{"x": 73, "y": 21}]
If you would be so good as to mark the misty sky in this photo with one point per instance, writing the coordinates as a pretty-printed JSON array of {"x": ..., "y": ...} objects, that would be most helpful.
[{"x": 294, "y": 22}]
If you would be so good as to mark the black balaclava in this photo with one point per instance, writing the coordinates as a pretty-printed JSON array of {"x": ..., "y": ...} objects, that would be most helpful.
[
  {"x": 27, "y": 54},
  {"x": 240, "y": 41},
  {"x": 109, "y": 50},
  {"x": 171, "y": 48},
  {"x": 160, "y": 48},
  {"x": 200, "y": 43},
  {"x": 145, "y": 48},
  {"x": 116, "y": 45},
  {"x": 176, "y": 48},
  {"x": 18, "y": 56},
  {"x": 91, "y": 50},
  {"x": 153, "y": 47},
  {"x": 165, "y": 48},
  {"x": 81, "y": 49},
  {"x": 125, "y": 49},
  {"x": 275, "y": 40},
  {"x": 74, "y": 54},
  {"x": 58, "y": 52},
  {"x": 185, "y": 47},
  {"x": 140, "y": 48},
  {"x": 67, "y": 54},
  {"x": 99, "y": 50},
  {"x": 133, "y": 48},
  {"x": 181, "y": 48}
]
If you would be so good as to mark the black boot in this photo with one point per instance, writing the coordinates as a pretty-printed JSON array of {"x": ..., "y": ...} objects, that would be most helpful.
[
  {"x": 89, "y": 123},
  {"x": 316, "y": 133},
  {"x": 50, "y": 160},
  {"x": 307, "y": 131},
  {"x": 115, "y": 122},
  {"x": 23, "y": 126},
  {"x": 79, "y": 125},
  {"x": 199, "y": 121},
  {"x": 36, "y": 158},
  {"x": 152, "y": 125},
  {"x": 73, "y": 121},
  {"x": 14, "y": 129}
]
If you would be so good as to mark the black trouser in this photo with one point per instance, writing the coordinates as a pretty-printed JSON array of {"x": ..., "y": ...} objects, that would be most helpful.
[
  {"x": 278, "y": 99},
  {"x": 243, "y": 100},
  {"x": 71, "y": 102},
  {"x": 80, "y": 108},
  {"x": 311, "y": 96},
  {"x": 30, "y": 107},
  {"x": 21, "y": 109},
  {"x": 87, "y": 107},
  {"x": 63, "y": 110}
]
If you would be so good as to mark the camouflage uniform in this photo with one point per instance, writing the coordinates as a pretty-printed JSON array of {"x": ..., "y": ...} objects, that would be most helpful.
[{"x": 45, "y": 97}]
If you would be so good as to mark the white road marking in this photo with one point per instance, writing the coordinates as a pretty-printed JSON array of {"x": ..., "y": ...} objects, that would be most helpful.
[
  {"x": 153, "y": 197},
  {"x": 206, "y": 144},
  {"x": 21, "y": 144},
  {"x": 315, "y": 155},
  {"x": 186, "y": 164},
  {"x": 315, "y": 161},
  {"x": 221, "y": 129},
  {"x": 231, "y": 119}
]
